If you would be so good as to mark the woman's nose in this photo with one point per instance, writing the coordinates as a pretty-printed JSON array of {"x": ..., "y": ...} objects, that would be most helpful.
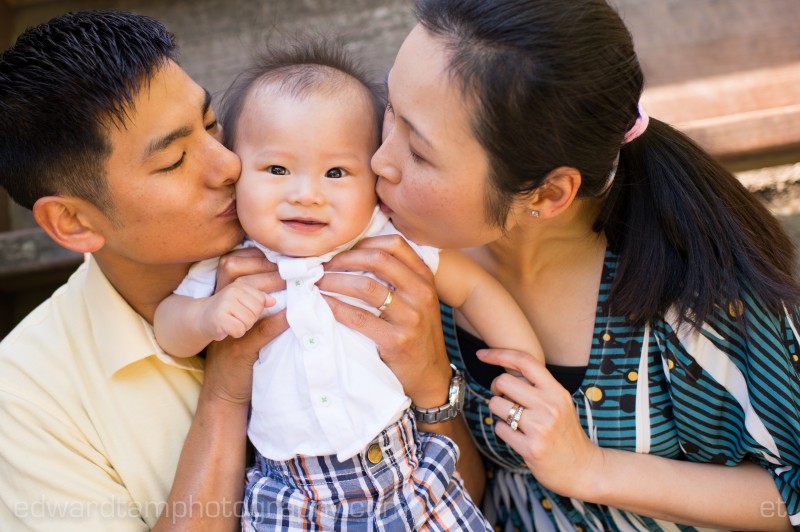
[{"x": 382, "y": 165}]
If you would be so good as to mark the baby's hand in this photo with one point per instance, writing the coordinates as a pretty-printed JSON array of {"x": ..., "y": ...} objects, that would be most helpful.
[{"x": 233, "y": 310}]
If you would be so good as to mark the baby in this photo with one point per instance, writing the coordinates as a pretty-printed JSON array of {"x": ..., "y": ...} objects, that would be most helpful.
[{"x": 334, "y": 433}]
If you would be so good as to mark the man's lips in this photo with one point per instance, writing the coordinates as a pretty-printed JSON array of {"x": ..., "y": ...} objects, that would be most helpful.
[{"x": 230, "y": 211}]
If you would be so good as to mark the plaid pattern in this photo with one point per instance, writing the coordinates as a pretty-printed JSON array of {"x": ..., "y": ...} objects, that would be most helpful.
[{"x": 413, "y": 486}]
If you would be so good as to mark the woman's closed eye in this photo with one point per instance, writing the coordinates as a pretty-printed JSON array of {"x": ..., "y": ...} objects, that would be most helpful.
[{"x": 389, "y": 114}]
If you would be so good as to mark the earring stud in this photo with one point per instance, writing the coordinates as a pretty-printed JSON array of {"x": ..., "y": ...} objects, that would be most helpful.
[{"x": 535, "y": 213}]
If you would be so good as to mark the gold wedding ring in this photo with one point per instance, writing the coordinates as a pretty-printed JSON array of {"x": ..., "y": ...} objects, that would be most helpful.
[
  {"x": 514, "y": 415},
  {"x": 387, "y": 301}
]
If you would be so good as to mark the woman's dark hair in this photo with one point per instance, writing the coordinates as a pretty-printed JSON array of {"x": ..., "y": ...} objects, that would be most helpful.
[
  {"x": 62, "y": 84},
  {"x": 558, "y": 84},
  {"x": 299, "y": 65}
]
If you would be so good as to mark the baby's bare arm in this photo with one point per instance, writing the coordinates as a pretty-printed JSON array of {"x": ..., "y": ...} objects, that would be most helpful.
[
  {"x": 485, "y": 303},
  {"x": 184, "y": 326}
]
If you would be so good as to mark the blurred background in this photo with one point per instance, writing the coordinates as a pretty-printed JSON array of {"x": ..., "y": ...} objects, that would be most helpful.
[{"x": 727, "y": 72}]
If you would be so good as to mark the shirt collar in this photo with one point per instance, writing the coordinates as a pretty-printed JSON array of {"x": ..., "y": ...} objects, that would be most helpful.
[{"x": 121, "y": 335}]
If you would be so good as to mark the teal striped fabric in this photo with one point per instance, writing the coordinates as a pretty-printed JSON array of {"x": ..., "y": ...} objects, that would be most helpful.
[{"x": 719, "y": 394}]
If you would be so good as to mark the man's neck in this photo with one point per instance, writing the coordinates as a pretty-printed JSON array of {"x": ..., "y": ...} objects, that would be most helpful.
[{"x": 142, "y": 286}]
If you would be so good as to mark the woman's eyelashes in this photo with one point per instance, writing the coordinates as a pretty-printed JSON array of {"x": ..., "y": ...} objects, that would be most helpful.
[{"x": 389, "y": 113}]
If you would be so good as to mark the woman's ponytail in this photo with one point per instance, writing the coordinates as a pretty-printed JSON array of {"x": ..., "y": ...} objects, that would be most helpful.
[{"x": 688, "y": 233}]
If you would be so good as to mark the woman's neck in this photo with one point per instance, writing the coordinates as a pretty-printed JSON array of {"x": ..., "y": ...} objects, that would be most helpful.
[
  {"x": 542, "y": 245},
  {"x": 553, "y": 268}
]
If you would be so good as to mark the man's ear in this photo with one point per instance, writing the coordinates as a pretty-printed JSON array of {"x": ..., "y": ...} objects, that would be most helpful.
[
  {"x": 557, "y": 193},
  {"x": 66, "y": 220}
]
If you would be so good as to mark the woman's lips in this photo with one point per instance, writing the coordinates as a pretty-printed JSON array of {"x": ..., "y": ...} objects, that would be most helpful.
[{"x": 385, "y": 209}]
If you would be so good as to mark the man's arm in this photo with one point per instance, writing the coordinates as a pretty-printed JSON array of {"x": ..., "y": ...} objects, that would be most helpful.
[
  {"x": 211, "y": 467},
  {"x": 212, "y": 464}
]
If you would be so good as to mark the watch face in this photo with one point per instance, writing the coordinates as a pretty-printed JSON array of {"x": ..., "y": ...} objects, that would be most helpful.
[
  {"x": 457, "y": 389},
  {"x": 453, "y": 407}
]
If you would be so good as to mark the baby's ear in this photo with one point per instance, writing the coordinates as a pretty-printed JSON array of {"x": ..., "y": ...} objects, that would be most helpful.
[
  {"x": 67, "y": 220},
  {"x": 557, "y": 193}
]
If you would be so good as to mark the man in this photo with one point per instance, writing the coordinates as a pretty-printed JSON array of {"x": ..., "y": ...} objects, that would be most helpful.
[{"x": 116, "y": 151}]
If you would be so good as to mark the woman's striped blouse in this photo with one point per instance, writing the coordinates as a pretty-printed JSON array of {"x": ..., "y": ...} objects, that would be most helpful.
[{"x": 720, "y": 394}]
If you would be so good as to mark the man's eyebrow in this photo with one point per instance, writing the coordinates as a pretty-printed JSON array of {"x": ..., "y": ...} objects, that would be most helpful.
[{"x": 163, "y": 142}]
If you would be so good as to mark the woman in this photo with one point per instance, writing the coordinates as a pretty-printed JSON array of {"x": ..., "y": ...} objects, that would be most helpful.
[{"x": 661, "y": 290}]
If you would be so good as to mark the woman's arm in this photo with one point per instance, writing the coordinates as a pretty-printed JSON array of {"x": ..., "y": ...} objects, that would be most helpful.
[
  {"x": 743, "y": 497},
  {"x": 561, "y": 456},
  {"x": 408, "y": 333}
]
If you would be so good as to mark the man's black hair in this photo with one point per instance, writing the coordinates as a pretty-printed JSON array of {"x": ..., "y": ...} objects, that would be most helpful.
[{"x": 62, "y": 85}]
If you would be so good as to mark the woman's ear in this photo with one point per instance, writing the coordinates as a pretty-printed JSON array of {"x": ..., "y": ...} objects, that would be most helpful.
[
  {"x": 66, "y": 220},
  {"x": 557, "y": 193}
]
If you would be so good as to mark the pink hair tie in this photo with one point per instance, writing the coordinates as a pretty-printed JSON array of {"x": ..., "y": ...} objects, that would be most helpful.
[{"x": 638, "y": 127}]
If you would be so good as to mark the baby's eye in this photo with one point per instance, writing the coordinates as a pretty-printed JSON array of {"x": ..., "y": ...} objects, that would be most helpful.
[
  {"x": 277, "y": 170},
  {"x": 334, "y": 173}
]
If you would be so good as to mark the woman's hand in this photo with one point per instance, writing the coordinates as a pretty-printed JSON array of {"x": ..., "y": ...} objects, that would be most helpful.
[
  {"x": 549, "y": 436},
  {"x": 561, "y": 457},
  {"x": 409, "y": 331}
]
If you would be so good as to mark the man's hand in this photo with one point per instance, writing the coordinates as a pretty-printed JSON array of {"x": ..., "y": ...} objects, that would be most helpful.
[{"x": 229, "y": 363}]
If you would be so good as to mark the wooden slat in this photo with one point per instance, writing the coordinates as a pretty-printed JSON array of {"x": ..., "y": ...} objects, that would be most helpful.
[
  {"x": 30, "y": 251},
  {"x": 26, "y": 3},
  {"x": 735, "y": 115},
  {"x": 727, "y": 72}
]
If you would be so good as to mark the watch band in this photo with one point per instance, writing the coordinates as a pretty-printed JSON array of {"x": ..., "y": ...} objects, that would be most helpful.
[{"x": 451, "y": 409}]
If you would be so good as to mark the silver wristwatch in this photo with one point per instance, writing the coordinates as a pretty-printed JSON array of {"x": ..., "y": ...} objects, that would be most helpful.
[{"x": 451, "y": 409}]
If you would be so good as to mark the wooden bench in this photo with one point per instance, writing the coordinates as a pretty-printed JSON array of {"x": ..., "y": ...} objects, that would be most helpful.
[
  {"x": 31, "y": 267},
  {"x": 726, "y": 72}
]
